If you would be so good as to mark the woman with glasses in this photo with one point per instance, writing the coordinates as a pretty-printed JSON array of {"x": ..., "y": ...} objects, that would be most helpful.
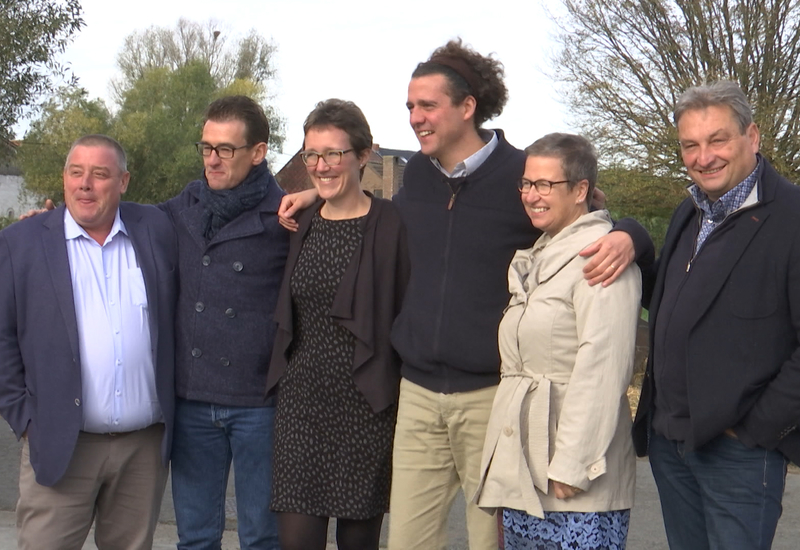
[
  {"x": 558, "y": 457},
  {"x": 333, "y": 367}
]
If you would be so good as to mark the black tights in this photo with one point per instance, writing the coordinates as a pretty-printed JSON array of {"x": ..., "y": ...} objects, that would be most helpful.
[{"x": 304, "y": 532}]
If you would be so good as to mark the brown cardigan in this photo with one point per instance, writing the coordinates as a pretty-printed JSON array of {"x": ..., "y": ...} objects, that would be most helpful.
[{"x": 368, "y": 300}]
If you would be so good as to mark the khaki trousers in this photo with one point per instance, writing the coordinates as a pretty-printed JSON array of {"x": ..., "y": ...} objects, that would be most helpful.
[
  {"x": 437, "y": 448},
  {"x": 117, "y": 481}
]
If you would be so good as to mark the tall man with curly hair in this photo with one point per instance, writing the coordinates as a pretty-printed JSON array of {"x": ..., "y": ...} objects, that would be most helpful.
[{"x": 465, "y": 220}]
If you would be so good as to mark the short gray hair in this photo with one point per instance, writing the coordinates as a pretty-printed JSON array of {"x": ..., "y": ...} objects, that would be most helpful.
[
  {"x": 101, "y": 140},
  {"x": 576, "y": 153},
  {"x": 723, "y": 93}
]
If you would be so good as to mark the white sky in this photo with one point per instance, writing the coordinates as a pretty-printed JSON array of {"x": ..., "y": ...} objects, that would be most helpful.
[{"x": 356, "y": 50}]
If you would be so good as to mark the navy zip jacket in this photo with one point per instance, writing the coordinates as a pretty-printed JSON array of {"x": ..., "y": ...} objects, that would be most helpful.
[
  {"x": 462, "y": 234},
  {"x": 446, "y": 333}
]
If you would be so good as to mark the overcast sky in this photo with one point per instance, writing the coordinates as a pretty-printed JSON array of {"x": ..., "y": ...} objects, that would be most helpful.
[{"x": 361, "y": 51}]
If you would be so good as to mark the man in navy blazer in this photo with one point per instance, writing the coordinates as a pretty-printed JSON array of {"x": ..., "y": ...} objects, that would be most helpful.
[
  {"x": 87, "y": 357},
  {"x": 721, "y": 396}
]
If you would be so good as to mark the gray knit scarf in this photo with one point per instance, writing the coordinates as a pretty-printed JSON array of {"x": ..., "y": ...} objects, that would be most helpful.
[{"x": 221, "y": 207}]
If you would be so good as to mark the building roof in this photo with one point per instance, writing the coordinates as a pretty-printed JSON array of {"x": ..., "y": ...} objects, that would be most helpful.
[
  {"x": 402, "y": 153},
  {"x": 293, "y": 176}
]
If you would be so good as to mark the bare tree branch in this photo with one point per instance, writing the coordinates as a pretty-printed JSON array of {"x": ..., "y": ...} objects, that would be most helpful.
[{"x": 625, "y": 63}]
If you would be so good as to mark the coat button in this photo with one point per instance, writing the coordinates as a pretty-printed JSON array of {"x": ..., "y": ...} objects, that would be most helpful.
[
  {"x": 230, "y": 312},
  {"x": 206, "y": 260},
  {"x": 237, "y": 266},
  {"x": 77, "y": 402},
  {"x": 199, "y": 307},
  {"x": 225, "y": 362},
  {"x": 196, "y": 352},
  {"x": 508, "y": 430}
]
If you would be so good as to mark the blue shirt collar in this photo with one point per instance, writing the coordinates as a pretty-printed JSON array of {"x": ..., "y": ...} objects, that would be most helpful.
[
  {"x": 729, "y": 202},
  {"x": 474, "y": 161},
  {"x": 72, "y": 230}
]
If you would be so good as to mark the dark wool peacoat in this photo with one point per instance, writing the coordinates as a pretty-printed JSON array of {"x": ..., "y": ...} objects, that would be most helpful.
[{"x": 228, "y": 291}]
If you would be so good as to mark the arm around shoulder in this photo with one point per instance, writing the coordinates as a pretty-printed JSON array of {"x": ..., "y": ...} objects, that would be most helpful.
[
  {"x": 611, "y": 254},
  {"x": 644, "y": 249}
]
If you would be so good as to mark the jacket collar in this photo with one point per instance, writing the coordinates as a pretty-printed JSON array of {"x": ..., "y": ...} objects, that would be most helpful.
[
  {"x": 247, "y": 224},
  {"x": 549, "y": 255}
]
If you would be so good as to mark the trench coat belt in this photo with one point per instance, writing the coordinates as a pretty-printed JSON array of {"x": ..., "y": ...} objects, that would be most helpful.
[
  {"x": 507, "y": 422},
  {"x": 540, "y": 425}
]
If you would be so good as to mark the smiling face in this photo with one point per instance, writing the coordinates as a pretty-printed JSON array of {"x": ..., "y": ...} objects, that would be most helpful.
[
  {"x": 552, "y": 213},
  {"x": 340, "y": 183},
  {"x": 717, "y": 155},
  {"x": 228, "y": 173},
  {"x": 93, "y": 187},
  {"x": 444, "y": 130}
]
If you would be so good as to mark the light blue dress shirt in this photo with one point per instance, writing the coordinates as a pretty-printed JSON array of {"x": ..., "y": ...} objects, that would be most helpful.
[
  {"x": 117, "y": 374},
  {"x": 714, "y": 213},
  {"x": 473, "y": 162}
]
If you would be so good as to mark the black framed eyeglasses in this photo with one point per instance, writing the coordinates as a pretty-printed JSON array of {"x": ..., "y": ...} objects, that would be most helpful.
[
  {"x": 223, "y": 151},
  {"x": 543, "y": 187},
  {"x": 331, "y": 158}
]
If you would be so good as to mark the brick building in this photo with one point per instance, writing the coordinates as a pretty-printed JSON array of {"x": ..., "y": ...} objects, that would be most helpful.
[
  {"x": 383, "y": 174},
  {"x": 12, "y": 201}
]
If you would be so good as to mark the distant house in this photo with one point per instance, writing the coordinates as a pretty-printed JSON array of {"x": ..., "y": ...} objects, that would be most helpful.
[
  {"x": 12, "y": 201},
  {"x": 383, "y": 175}
]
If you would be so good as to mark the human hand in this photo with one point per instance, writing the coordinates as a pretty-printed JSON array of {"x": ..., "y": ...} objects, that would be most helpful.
[
  {"x": 48, "y": 205},
  {"x": 598, "y": 199},
  {"x": 292, "y": 204},
  {"x": 611, "y": 255},
  {"x": 563, "y": 491}
]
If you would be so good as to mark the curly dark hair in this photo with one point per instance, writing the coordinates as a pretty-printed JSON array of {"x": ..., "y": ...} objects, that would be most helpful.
[{"x": 469, "y": 73}]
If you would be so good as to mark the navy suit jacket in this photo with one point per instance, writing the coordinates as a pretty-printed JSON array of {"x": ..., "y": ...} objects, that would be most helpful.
[
  {"x": 743, "y": 360},
  {"x": 40, "y": 369}
]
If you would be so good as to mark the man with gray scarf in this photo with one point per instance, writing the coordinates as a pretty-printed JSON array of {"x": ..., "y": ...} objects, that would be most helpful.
[{"x": 232, "y": 254}]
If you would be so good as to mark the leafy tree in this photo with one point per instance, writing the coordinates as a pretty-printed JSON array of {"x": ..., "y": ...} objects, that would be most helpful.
[
  {"x": 65, "y": 118},
  {"x": 625, "y": 63},
  {"x": 33, "y": 33},
  {"x": 169, "y": 76},
  {"x": 245, "y": 65},
  {"x": 644, "y": 196},
  {"x": 158, "y": 122}
]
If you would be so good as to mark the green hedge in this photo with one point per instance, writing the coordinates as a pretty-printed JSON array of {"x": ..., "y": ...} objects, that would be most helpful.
[{"x": 5, "y": 221}]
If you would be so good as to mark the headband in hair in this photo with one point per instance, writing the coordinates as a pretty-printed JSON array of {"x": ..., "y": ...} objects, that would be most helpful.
[{"x": 461, "y": 68}]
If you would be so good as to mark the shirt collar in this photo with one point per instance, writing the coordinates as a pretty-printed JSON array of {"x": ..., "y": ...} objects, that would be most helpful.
[
  {"x": 72, "y": 230},
  {"x": 474, "y": 161},
  {"x": 731, "y": 201}
]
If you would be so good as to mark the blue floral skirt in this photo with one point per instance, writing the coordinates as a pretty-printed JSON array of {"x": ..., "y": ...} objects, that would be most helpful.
[{"x": 566, "y": 530}]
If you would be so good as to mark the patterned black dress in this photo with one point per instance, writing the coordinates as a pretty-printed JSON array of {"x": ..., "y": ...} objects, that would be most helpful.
[{"x": 332, "y": 452}]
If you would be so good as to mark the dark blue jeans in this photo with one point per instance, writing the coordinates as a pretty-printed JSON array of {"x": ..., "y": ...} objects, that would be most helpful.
[
  {"x": 207, "y": 438},
  {"x": 723, "y": 496}
]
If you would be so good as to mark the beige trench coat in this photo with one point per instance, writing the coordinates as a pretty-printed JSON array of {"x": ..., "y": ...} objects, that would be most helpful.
[{"x": 561, "y": 410}]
